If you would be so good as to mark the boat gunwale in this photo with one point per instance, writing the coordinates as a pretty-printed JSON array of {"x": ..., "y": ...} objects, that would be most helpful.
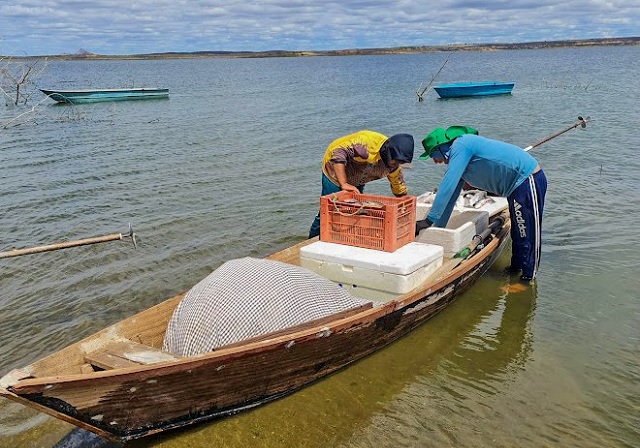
[{"x": 469, "y": 84}]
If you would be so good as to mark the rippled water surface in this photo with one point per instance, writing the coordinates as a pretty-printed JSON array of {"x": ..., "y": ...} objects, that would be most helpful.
[{"x": 228, "y": 166}]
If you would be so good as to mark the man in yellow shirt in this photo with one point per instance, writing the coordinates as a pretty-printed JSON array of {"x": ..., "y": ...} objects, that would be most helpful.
[{"x": 355, "y": 159}]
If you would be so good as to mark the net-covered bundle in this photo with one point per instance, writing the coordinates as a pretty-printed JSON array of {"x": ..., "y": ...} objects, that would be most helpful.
[{"x": 250, "y": 297}]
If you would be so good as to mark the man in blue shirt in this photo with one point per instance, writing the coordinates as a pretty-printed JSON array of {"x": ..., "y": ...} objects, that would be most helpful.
[{"x": 499, "y": 168}]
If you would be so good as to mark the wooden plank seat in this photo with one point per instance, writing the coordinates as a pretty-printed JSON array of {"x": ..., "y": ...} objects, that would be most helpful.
[{"x": 122, "y": 354}]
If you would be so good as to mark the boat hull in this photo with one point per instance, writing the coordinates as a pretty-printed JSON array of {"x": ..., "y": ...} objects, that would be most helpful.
[
  {"x": 465, "y": 89},
  {"x": 130, "y": 403},
  {"x": 94, "y": 96}
]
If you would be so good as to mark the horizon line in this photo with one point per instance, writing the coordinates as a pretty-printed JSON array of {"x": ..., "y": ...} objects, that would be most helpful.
[{"x": 628, "y": 40}]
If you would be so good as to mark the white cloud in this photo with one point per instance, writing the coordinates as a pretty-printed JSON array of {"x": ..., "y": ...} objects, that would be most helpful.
[{"x": 145, "y": 26}]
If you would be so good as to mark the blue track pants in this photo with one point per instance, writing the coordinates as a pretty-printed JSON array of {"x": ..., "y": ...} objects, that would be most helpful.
[{"x": 525, "y": 207}]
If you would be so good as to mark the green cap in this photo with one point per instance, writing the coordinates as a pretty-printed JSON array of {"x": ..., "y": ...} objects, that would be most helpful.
[
  {"x": 454, "y": 132},
  {"x": 435, "y": 138},
  {"x": 439, "y": 137}
]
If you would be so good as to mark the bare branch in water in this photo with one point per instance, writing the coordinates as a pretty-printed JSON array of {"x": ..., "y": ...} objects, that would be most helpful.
[
  {"x": 420, "y": 93},
  {"x": 18, "y": 83}
]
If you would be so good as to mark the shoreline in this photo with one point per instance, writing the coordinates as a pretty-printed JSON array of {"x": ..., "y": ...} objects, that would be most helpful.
[{"x": 349, "y": 52}]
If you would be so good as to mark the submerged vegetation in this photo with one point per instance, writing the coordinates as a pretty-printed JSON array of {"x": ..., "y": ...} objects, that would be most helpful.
[{"x": 18, "y": 79}]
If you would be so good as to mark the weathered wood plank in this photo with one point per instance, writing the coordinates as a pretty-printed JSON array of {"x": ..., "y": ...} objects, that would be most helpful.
[
  {"x": 122, "y": 354},
  {"x": 108, "y": 361}
]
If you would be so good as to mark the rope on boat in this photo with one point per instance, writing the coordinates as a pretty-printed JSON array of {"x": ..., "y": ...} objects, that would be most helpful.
[{"x": 354, "y": 203}]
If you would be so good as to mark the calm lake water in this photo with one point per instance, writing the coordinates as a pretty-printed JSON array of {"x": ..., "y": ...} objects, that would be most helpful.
[{"x": 228, "y": 167}]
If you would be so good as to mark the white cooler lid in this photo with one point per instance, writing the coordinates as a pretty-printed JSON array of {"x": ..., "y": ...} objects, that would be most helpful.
[{"x": 403, "y": 261}]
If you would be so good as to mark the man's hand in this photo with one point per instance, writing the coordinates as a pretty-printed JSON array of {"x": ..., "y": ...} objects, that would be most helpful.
[
  {"x": 349, "y": 187},
  {"x": 421, "y": 225}
]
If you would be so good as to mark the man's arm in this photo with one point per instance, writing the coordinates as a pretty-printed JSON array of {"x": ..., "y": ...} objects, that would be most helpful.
[
  {"x": 341, "y": 176},
  {"x": 449, "y": 188}
]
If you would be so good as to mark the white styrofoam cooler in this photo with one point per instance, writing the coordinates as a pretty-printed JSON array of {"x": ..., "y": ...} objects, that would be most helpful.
[
  {"x": 460, "y": 230},
  {"x": 362, "y": 270}
]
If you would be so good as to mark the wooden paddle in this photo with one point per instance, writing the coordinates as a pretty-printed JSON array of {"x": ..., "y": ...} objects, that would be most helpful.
[{"x": 83, "y": 242}]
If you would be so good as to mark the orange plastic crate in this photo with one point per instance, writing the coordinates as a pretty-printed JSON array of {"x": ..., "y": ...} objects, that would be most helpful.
[{"x": 366, "y": 220}]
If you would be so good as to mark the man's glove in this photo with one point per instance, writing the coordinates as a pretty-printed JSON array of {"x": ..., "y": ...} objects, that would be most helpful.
[{"x": 423, "y": 224}]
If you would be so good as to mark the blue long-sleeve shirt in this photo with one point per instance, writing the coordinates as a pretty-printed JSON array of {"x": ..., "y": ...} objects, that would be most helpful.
[{"x": 490, "y": 165}]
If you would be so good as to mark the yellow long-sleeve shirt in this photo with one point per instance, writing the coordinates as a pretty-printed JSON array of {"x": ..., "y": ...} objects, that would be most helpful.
[{"x": 360, "y": 153}]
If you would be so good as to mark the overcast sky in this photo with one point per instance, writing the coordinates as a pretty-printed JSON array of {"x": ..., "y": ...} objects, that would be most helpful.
[{"x": 110, "y": 27}]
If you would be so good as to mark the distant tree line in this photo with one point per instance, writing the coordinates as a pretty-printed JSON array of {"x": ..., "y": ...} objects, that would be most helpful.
[{"x": 614, "y": 41}]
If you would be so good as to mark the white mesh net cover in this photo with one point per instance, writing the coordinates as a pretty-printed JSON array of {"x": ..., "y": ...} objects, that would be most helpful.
[{"x": 250, "y": 297}]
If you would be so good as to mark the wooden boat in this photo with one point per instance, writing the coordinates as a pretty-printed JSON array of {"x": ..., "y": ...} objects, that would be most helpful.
[
  {"x": 99, "y": 95},
  {"x": 119, "y": 384},
  {"x": 463, "y": 89}
]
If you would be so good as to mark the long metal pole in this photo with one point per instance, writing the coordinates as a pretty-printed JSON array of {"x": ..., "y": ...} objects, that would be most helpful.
[
  {"x": 67, "y": 244},
  {"x": 581, "y": 122}
]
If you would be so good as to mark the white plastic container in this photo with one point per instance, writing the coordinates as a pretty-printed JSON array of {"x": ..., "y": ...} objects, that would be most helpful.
[
  {"x": 460, "y": 230},
  {"x": 362, "y": 270},
  {"x": 493, "y": 207}
]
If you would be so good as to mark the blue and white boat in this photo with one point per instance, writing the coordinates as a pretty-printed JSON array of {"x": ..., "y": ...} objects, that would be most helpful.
[
  {"x": 483, "y": 88},
  {"x": 98, "y": 95}
]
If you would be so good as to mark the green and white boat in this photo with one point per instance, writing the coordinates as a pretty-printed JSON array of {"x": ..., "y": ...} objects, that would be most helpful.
[{"x": 100, "y": 95}]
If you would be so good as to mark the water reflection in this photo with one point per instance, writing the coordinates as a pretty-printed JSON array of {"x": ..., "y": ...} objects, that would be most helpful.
[
  {"x": 500, "y": 343},
  {"x": 79, "y": 438}
]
